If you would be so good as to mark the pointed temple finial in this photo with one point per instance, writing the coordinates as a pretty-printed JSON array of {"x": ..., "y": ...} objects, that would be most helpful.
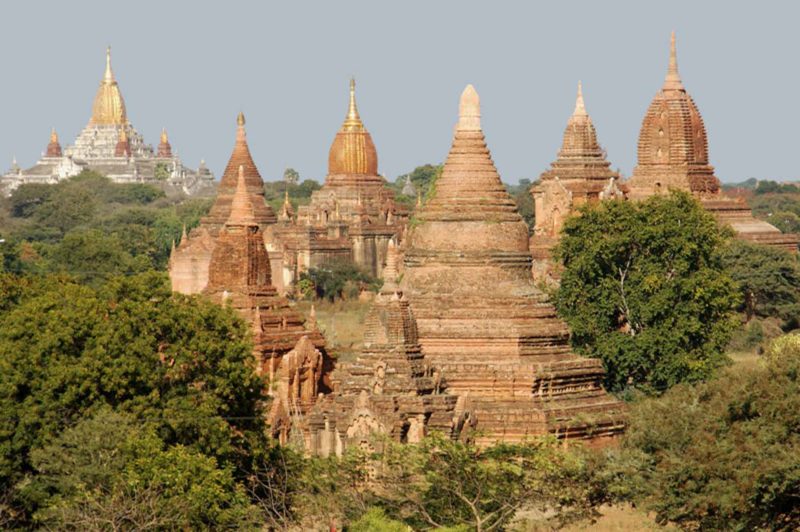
[
  {"x": 353, "y": 121},
  {"x": 673, "y": 79},
  {"x": 469, "y": 110},
  {"x": 240, "y": 119},
  {"x": 108, "y": 77},
  {"x": 580, "y": 108},
  {"x": 164, "y": 138},
  {"x": 53, "y": 135},
  {"x": 241, "y": 206}
]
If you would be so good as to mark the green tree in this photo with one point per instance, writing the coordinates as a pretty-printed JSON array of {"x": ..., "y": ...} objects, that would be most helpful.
[
  {"x": 644, "y": 289},
  {"x": 721, "y": 455},
  {"x": 521, "y": 193},
  {"x": 423, "y": 177},
  {"x": 110, "y": 471},
  {"x": 291, "y": 176},
  {"x": 183, "y": 365},
  {"x": 449, "y": 483},
  {"x": 334, "y": 281},
  {"x": 769, "y": 280}
]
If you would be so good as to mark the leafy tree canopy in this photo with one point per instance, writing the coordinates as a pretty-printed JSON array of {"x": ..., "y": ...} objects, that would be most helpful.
[
  {"x": 721, "y": 455},
  {"x": 769, "y": 280},
  {"x": 644, "y": 289},
  {"x": 179, "y": 365}
]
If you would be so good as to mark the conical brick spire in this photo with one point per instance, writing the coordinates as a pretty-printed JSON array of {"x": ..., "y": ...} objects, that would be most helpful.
[
  {"x": 240, "y": 158},
  {"x": 242, "y": 206},
  {"x": 470, "y": 187},
  {"x": 673, "y": 79}
]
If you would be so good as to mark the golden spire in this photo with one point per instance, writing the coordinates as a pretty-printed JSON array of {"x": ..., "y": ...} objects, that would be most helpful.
[
  {"x": 240, "y": 119},
  {"x": 580, "y": 108},
  {"x": 108, "y": 107},
  {"x": 108, "y": 76},
  {"x": 53, "y": 136},
  {"x": 469, "y": 110},
  {"x": 353, "y": 121},
  {"x": 164, "y": 138},
  {"x": 673, "y": 79}
]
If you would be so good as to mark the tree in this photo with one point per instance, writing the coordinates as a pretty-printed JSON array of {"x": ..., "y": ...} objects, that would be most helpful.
[
  {"x": 291, "y": 176},
  {"x": 423, "y": 177},
  {"x": 644, "y": 289},
  {"x": 769, "y": 280},
  {"x": 183, "y": 365},
  {"x": 450, "y": 483},
  {"x": 721, "y": 455},
  {"x": 112, "y": 471},
  {"x": 332, "y": 280}
]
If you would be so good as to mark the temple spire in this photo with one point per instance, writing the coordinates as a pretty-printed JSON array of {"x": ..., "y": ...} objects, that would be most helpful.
[
  {"x": 241, "y": 206},
  {"x": 469, "y": 110},
  {"x": 352, "y": 121},
  {"x": 53, "y": 135},
  {"x": 580, "y": 108},
  {"x": 108, "y": 76},
  {"x": 673, "y": 79}
]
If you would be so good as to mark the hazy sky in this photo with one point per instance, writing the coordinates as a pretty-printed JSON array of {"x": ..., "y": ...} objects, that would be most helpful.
[{"x": 192, "y": 66}]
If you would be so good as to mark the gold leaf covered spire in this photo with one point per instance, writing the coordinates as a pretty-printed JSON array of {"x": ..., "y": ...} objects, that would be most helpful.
[
  {"x": 164, "y": 138},
  {"x": 353, "y": 121},
  {"x": 673, "y": 79},
  {"x": 53, "y": 136},
  {"x": 109, "y": 106}
]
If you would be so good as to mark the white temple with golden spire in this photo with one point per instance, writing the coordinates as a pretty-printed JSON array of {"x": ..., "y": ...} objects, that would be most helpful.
[{"x": 96, "y": 148}]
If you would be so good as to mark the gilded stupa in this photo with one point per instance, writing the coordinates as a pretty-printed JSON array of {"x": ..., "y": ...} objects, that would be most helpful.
[
  {"x": 351, "y": 218},
  {"x": 110, "y": 145},
  {"x": 673, "y": 154}
]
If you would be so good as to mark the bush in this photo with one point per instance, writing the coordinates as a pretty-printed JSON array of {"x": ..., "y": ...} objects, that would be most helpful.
[
  {"x": 721, "y": 455},
  {"x": 337, "y": 280}
]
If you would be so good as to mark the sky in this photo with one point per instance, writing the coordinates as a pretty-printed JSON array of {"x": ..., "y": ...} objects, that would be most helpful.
[{"x": 192, "y": 66}]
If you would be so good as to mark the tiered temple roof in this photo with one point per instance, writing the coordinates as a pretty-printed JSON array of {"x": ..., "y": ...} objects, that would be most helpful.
[
  {"x": 673, "y": 145},
  {"x": 481, "y": 321},
  {"x": 189, "y": 264},
  {"x": 389, "y": 389},
  {"x": 239, "y": 275},
  {"x": 581, "y": 174},
  {"x": 673, "y": 154},
  {"x": 110, "y": 145}
]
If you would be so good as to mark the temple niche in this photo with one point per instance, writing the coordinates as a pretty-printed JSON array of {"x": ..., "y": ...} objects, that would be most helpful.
[
  {"x": 111, "y": 146},
  {"x": 490, "y": 334},
  {"x": 351, "y": 218},
  {"x": 581, "y": 174},
  {"x": 673, "y": 154},
  {"x": 289, "y": 352}
]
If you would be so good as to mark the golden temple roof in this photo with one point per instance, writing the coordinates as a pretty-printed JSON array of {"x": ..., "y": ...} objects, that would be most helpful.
[
  {"x": 108, "y": 107},
  {"x": 352, "y": 151}
]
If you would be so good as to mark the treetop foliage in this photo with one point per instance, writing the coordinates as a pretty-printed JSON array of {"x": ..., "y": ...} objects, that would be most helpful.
[{"x": 644, "y": 289}]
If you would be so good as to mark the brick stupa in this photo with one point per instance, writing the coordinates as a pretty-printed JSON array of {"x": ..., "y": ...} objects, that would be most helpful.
[
  {"x": 188, "y": 265},
  {"x": 490, "y": 332},
  {"x": 390, "y": 389},
  {"x": 239, "y": 275},
  {"x": 673, "y": 154},
  {"x": 581, "y": 174}
]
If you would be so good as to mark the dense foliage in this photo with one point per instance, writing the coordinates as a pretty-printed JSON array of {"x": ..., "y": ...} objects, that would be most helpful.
[
  {"x": 768, "y": 278},
  {"x": 336, "y": 281},
  {"x": 92, "y": 228},
  {"x": 644, "y": 289},
  {"x": 521, "y": 193},
  {"x": 299, "y": 193},
  {"x": 422, "y": 177},
  {"x": 721, "y": 455},
  {"x": 180, "y": 367},
  {"x": 781, "y": 209}
]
